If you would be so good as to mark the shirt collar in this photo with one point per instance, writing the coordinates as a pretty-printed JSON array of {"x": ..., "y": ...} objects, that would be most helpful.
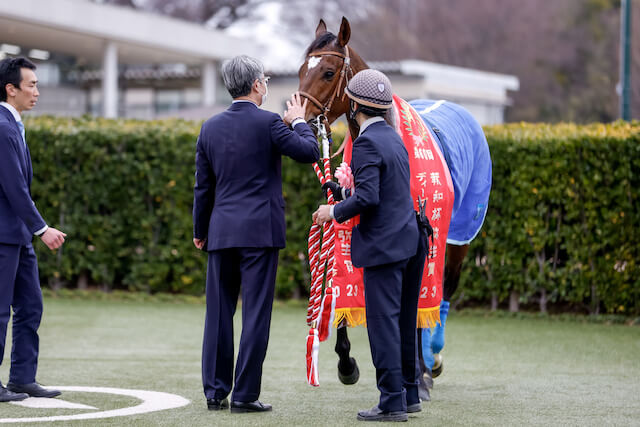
[
  {"x": 235, "y": 101},
  {"x": 369, "y": 122},
  {"x": 13, "y": 111}
]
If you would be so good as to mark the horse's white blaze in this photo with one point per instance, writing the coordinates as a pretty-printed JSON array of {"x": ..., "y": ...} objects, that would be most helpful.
[
  {"x": 313, "y": 61},
  {"x": 151, "y": 401}
]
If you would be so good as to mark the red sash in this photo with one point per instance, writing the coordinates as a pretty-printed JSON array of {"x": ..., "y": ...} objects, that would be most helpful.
[{"x": 430, "y": 180}]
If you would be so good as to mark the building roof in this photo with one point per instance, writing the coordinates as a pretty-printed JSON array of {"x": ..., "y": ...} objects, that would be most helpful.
[{"x": 81, "y": 28}]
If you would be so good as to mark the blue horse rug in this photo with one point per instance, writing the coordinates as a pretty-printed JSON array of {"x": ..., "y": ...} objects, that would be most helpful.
[{"x": 466, "y": 152}]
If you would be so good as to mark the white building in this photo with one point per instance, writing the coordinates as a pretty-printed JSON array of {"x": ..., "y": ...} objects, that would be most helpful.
[{"x": 109, "y": 37}]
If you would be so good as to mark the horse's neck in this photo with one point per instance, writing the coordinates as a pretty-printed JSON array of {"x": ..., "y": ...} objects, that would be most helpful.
[
  {"x": 357, "y": 65},
  {"x": 354, "y": 129}
]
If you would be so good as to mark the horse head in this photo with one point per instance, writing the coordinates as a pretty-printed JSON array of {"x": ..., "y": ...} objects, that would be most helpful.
[{"x": 325, "y": 73}]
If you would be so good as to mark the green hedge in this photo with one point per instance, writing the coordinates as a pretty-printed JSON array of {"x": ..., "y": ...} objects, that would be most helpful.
[
  {"x": 563, "y": 218},
  {"x": 563, "y": 223},
  {"x": 122, "y": 191}
]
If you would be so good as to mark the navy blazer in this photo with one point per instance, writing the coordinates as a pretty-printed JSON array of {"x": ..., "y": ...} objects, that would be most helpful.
[
  {"x": 238, "y": 192},
  {"x": 388, "y": 230},
  {"x": 19, "y": 218}
]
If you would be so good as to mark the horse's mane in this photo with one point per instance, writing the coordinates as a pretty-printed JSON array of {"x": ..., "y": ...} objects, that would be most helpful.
[{"x": 323, "y": 40}]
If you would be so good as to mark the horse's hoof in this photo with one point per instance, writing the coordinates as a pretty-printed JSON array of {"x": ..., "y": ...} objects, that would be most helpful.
[
  {"x": 424, "y": 384},
  {"x": 351, "y": 378},
  {"x": 437, "y": 365},
  {"x": 427, "y": 379}
]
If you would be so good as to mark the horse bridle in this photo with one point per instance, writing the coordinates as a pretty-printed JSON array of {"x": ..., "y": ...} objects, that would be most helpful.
[{"x": 344, "y": 71}]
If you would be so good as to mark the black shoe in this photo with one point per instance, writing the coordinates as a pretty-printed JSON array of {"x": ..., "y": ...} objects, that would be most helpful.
[
  {"x": 9, "y": 396},
  {"x": 416, "y": 407},
  {"x": 33, "y": 390},
  {"x": 255, "y": 406},
  {"x": 217, "y": 404},
  {"x": 375, "y": 414}
]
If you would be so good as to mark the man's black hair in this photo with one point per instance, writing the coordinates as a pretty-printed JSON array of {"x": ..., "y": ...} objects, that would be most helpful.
[
  {"x": 10, "y": 72},
  {"x": 372, "y": 112},
  {"x": 367, "y": 111}
]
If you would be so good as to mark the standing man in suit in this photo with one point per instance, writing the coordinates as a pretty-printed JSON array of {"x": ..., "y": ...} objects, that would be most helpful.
[
  {"x": 387, "y": 243},
  {"x": 19, "y": 222},
  {"x": 238, "y": 217}
]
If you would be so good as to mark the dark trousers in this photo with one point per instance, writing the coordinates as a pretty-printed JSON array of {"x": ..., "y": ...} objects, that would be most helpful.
[
  {"x": 254, "y": 271},
  {"x": 20, "y": 290},
  {"x": 391, "y": 299}
]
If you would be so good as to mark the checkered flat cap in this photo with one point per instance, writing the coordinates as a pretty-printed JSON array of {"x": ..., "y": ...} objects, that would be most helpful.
[{"x": 370, "y": 88}]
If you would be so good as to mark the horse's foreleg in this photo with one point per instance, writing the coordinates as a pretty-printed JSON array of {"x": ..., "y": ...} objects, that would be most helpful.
[
  {"x": 425, "y": 361},
  {"x": 348, "y": 371},
  {"x": 452, "y": 268}
]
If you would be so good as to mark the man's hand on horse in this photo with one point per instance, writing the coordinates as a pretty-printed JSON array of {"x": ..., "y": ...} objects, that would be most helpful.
[
  {"x": 322, "y": 215},
  {"x": 296, "y": 109}
]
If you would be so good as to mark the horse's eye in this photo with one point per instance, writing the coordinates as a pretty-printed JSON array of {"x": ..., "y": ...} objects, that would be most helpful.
[{"x": 329, "y": 75}]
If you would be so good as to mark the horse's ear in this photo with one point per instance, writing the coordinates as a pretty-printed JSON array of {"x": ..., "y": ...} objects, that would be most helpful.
[
  {"x": 321, "y": 29},
  {"x": 345, "y": 32}
]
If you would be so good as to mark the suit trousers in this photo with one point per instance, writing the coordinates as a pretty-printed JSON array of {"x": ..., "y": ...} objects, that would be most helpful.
[
  {"x": 391, "y": 298},
  {"x": 20, "y": 290},
  {"x": 252, "y": 271}
]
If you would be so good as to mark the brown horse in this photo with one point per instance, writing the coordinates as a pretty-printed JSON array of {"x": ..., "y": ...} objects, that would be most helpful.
[{"x": 323, "y": 76}]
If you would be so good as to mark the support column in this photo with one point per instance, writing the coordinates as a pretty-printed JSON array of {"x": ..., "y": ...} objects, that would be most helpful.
[
  {"x": 625, "y": 60},
  {"x": 110, "y": 81},
  {"x": 209, "y": 80}
]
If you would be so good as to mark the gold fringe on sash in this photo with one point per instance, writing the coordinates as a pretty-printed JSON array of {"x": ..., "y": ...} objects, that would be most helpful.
[
  {"x": 428, "y": 317},
  {"x": 354, "y": 316}
]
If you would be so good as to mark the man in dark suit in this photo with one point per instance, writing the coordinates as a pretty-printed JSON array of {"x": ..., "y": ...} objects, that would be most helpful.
[
  {"x": 238, "y": 217},
  {"x": 387, "y": 244},
  {"x": 19, "y": 222}
]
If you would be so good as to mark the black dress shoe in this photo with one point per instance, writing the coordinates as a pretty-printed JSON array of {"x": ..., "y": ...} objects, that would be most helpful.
[
  {"x": 255, "y": 406},
  {"x": 9, "y": 396},
  {"x": 375, "y": 414},
  {"x": 416, "y": 407},
  {"x": 217, "y": 404},
  {"x": 33, "y": 390}
]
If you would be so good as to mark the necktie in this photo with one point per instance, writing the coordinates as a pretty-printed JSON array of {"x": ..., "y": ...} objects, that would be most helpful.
[{"x": 24, "y": 139}]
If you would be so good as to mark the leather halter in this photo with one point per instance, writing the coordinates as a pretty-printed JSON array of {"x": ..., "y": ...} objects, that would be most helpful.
[{"x": 346, "y": 68}]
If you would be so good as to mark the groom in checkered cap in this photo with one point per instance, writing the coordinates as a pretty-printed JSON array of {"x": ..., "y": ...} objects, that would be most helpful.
[{"x": 387, "y": 244}]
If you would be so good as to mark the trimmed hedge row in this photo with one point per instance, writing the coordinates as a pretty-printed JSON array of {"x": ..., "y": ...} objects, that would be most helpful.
[
  {"x": 563, "y": 218},
  {"x": 563, "y": 223},
  {"x": 122, "y": 191}
]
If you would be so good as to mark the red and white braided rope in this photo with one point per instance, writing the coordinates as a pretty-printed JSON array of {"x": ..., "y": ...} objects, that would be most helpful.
[{"x": 321, "y": 256}]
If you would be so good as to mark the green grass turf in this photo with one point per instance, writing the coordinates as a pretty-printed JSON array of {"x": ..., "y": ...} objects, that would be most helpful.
[{"x": 498, "y": 371}]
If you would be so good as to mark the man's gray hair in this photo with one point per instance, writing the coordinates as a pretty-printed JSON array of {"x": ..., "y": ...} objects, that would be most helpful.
[{"x": 239, "y": 73}]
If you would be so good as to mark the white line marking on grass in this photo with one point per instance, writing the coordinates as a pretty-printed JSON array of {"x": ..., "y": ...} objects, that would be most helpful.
[
  {"x": 45, "y": 403},
  {"x": 151, "y": 401}
]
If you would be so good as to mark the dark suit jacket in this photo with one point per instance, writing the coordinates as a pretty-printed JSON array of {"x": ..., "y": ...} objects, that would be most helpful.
[
  {"x": 19, "y": 218},
  {"x": 238, "y": 193},
  {"x": 388, "y": 231}
]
